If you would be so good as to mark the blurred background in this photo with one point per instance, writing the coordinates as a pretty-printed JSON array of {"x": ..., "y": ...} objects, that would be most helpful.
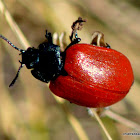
[{"x": 28, "y": 111}]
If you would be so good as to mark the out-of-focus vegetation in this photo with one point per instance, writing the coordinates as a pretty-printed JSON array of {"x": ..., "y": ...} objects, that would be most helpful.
[{"x": 28, "y": 111}]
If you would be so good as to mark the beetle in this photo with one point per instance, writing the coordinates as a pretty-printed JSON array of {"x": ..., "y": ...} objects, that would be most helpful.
[{"x": 90, "y": 75}]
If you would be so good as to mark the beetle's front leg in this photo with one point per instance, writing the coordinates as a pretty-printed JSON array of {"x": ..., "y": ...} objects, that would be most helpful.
[{"x": 48, "y": 37}]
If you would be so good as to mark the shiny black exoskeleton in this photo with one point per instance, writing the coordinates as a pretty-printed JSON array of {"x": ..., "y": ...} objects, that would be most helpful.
[{"x": 46, "y": 62}]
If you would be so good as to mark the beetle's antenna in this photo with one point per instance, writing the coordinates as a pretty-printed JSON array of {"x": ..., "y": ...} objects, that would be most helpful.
[
  {"x": 14, "y": 80},
  {"x": 10, "y": 43}
]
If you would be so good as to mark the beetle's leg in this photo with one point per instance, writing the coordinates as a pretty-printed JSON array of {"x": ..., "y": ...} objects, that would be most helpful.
[
  {"x": 48, "y": 37},
  {"x": 14, "y": 80},
  {"x": 77, "y": 25},
  {"x": 108, "y": 46},
  {"x": 75, "y": 41}
]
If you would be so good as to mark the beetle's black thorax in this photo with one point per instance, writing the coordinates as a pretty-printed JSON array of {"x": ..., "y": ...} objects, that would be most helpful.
[{"x": 45, "y": 62}]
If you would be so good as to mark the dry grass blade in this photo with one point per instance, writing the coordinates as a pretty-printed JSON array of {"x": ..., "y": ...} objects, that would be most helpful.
[
  {"x": 100, "y": 122},
  {"x": 122, "y": 120},
  {"x": 73, "y": 120},
  {"x": 10, "y": 116}
]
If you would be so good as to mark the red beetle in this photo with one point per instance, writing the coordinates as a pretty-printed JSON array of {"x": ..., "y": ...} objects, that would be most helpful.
[{"x": 92, "y": 75}]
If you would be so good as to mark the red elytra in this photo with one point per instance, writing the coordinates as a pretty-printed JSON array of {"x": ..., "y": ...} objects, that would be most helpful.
[{"x": 97, "y": 76}]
